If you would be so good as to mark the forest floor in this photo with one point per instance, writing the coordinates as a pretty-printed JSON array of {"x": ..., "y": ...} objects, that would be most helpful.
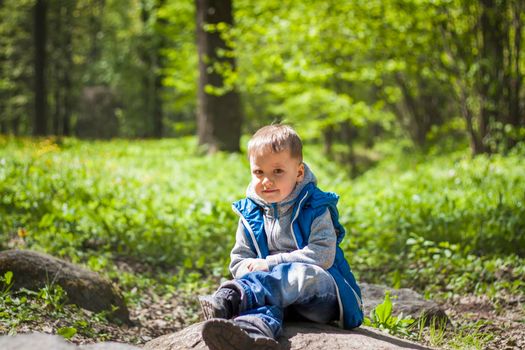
[
  {"x": 501, "y": 324},
  {"x": 477, "y": 323}
]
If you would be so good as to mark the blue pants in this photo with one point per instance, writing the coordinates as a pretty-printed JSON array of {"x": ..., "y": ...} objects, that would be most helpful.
[{"x": 309, "y": 289}]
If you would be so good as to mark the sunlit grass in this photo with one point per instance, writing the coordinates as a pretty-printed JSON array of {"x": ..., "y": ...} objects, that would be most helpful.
[{"x": 456, "y": 223}]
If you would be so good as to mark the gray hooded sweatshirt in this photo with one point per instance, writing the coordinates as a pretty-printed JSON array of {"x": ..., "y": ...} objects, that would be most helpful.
[{"x": 321, "y": 246}]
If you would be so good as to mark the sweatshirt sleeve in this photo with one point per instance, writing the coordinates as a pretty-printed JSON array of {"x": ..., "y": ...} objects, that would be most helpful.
[
  {"x": 320, "y": 249},
  {"x": 241, "y": 253}
]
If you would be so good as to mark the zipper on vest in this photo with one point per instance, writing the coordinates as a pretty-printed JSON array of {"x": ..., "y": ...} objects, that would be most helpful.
[
  {"x": 271, "y": 234},
  {"x": 295, "y": 217},
  {"x": 275, "y": 210}
]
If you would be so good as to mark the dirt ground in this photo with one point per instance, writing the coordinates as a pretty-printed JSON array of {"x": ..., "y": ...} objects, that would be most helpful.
[
  {"x": 503, "y": 326},
  {"x": 504, "y": 321}
]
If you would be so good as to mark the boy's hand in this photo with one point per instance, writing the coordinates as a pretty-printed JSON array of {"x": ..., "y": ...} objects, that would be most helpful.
[{"x": 258, "y": 265}]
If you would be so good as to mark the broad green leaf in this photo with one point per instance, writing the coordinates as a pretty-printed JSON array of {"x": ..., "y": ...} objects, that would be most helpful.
[
  {"x": 67, "y": 332},
  {"x": 8, "y": 277}
]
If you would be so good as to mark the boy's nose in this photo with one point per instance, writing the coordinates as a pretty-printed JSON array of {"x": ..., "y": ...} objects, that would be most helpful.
[{"x": 267, "y": 181}]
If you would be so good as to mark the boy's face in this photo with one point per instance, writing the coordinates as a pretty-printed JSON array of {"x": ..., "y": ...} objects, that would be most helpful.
[{"x": 274, "y": 175}]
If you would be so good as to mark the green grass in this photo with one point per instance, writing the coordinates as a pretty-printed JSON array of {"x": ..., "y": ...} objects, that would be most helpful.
[
  {"x": 456, "y": 223},
  {"x": 153, "y": 201},
  {"x": 161, "y": 203},
  {"x": 470, "y": 212}
]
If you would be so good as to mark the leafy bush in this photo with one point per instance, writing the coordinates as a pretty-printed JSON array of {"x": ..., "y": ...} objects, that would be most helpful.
[
  {"x": 449, "y": 268},
  {"x": 146, "y": 201},
  {"x": 160, "y": 203},
  {"x": 477, "y": 204}
]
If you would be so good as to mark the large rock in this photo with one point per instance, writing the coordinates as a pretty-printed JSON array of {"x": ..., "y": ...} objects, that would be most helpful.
[
  {"x": 296, "y": 336},
  {"x": 84, "y": 288},
  {"x": 313, "y": 336},
  {"x": 54, "y": 342},
  {"x": 34, "y": 341},
  {"x": 404, "y": 300}
]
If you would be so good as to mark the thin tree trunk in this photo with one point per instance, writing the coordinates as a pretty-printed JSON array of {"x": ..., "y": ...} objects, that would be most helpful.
[
  {"x": 96, "y": 28},
  {"x": 492, "y": 68},
  {"x": 158, "y": 127},
  {"x": 58, "y": 107},
  {"x": 15, "y": 123},
  {"x": 515, "y": 108},
  {"x": 56, "y": 67},
  {"x": 328, "y": 133},
  {"x": 348, "y": 134},
  {"x": 3, "y": 122},
  {"x": 476, "y": 144},
  {"x": 66, "y": 76},
  {"x": 158, "y": 113},
  {"x": 40, "y": 38},
  {"x": 416, "y": 128}
]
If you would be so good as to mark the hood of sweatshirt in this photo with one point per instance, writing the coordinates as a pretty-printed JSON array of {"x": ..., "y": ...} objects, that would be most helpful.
[{"x": 285, "y": 206}]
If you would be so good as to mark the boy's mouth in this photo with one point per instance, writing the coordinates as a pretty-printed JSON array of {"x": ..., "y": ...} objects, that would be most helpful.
[{"x": 270, "y": 191}]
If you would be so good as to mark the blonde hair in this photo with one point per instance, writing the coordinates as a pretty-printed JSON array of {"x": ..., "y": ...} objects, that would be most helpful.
[{"x": 276, "y": 138}]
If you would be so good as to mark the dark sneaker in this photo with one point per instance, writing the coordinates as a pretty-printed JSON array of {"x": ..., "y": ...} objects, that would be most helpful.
[
  {"x": 223, "y": 304},
  {"x": 221, "y": 334}
]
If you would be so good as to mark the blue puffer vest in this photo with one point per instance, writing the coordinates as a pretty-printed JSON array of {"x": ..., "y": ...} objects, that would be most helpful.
[{"x": 311, "y": 203}]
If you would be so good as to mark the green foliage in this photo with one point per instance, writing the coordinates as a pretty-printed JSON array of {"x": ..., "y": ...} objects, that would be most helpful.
[
  {"x": 470, "y": 336},
  {"x": 6, "y": 282},
  {"x": 446, "y": 267},
  {"x": 434, "y": 331},
  {"x": 149, "y": 206},
  {"x": 437, "y": 332},
  {"x": 53, "y": 297},
  {"x": 157, "y": 202},
  {"x": 386, "y": 67},
  {"x": 23, "y": 307},
  {"x": 455, "y": 222},
  {"x": 381, "y": 317},
  {"x": 476, "y": 203},
  {"x": 67, "y": 332},
  {"x": 15, "y": 64}
]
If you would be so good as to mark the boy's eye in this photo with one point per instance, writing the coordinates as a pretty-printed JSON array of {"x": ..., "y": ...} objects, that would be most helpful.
[
  {"x": 257, "y": 172},
  {"x": 278, "y": 171}
]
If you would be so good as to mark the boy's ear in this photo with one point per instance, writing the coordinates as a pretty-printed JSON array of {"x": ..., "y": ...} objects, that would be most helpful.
[{"x": 300, "y": 172}]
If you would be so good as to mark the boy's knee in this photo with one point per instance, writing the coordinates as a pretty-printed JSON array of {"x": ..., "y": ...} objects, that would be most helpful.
[{"x": 308, "y": 275}]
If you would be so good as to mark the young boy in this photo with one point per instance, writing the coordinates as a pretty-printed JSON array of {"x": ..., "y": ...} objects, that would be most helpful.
[{"x": 286, "y": 254}]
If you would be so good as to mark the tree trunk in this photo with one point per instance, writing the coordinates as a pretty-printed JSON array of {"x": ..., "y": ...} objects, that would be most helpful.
[
  {"x": 416, "y": 123},
  {"x": 66, "y": 125},
  {"x": 348, "y": 134},
  {"x": 492, "y": 69},
  {"x": 40, "y": 38},
  {"x": 158, "y": 126},
  {"x": 328, "y": 133},
  {"x": 3, "y": 125},
  {"x": 151, "y": 56},
  {"x": 66, "y": 76},
  {"x": 219, "y": 118},
  {"x": 58, "y": 107},
  {"x": 56, "y": 66},
  {"x": 158, "y": 113},
  {"x": 95, "y": 20},
  {"x": 514, "y": 72},
  {"x": 61, "y": 65}
]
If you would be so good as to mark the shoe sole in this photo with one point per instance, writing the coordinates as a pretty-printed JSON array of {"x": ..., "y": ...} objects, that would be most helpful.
[
  {"x": 220, "y": 334},
  {"x": 208, "y": 308}
]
